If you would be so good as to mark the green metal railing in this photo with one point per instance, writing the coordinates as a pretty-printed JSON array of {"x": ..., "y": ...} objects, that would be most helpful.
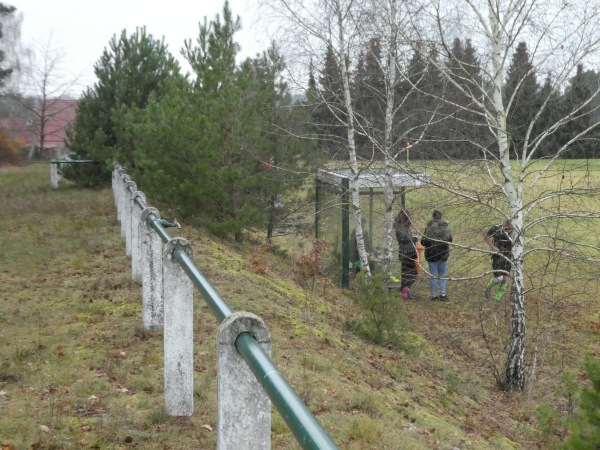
[{"x": 302, "y": 423}]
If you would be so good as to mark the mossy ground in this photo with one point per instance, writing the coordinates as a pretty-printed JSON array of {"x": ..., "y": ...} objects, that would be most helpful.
[{"x": 77, "y": 370}]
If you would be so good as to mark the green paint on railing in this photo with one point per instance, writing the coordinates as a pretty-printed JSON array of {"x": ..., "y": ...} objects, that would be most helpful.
[
  {"x": 306, "y": 429},
  {"x": 308, "y": 432}
]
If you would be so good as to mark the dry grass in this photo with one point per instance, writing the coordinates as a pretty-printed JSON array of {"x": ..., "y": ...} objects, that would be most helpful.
[{"x": 78, "y": 371}]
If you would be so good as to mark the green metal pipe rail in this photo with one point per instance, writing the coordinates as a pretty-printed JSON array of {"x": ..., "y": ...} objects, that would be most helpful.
[{"x": 302, "y": 423}]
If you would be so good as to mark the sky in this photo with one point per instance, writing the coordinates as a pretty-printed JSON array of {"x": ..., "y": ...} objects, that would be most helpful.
[{"x": 81, "y": 29}]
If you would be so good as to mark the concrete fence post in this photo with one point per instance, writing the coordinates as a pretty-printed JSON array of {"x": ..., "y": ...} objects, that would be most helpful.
[
  {"x": 152, "y": 273},
  {"x": 117, "y": 176},
  {"x": 243, "y": 407},
  {"x": 113, "y": 184},
  {"x": 178, "y": 332},
  {"x": 54, "y": 175},
  {"x": 122, "y": 201},
  {"x": 136, "y": 254},
  {"x": 130, "y": 187}
]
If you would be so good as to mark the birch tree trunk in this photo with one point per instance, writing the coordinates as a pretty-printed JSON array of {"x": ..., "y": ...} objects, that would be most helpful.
[
  {"x": 388, "y": 187},
  {"x": 342, "y": 55},
  {"x": 562, "y": 36},
  {"x": 515, "y": 364},
  {"x": 318, "y": 25}
]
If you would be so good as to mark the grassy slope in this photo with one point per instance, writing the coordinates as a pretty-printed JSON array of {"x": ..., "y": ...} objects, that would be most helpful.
[{"x": 78, "y": 371}]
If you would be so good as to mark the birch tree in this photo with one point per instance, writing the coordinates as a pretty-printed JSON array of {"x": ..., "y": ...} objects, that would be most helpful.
[
  {"x": 332, "y": 25},
  {"x": 348, "y": 27},
  {"x": 392, "y": 134},
  {"x": 560, "y": 36}
]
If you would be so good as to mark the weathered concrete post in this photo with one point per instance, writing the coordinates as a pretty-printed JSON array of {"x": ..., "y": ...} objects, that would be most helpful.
[
  {"x": 243, "y": 407},
  {"x": 122, "y": 200},
  {"x": 130, "y": 187},
  {"x": 136, "y": 253},
  {"x": 178, "y": 332},
  {"x": 152, "y": 274},
  {"x": 54, "y": 175},
  {"x": 113, "y": 176},
  {"x": 117, "y": 176}
]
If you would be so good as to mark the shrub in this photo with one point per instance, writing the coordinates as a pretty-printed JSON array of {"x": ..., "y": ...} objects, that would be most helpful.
[
  {"x": 9, "y": 151},
  {"x": 379, "y": 320},
  {"x": 309, "y": 266},
  {"x": 585, "y": 426}
]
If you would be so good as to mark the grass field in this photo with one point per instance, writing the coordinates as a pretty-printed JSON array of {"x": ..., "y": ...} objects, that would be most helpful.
[
  {"x": 472, "y": 202},
  {"x": 78, "y": 371}
]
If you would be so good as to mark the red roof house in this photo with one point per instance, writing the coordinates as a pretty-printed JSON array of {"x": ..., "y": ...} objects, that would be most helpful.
[
  {"x": 24, "y": 126},
  {"x": 57, "y": 116}
]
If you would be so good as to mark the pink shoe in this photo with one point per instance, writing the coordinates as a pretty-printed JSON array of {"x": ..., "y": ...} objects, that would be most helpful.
[{"x": 404, "y": 292}]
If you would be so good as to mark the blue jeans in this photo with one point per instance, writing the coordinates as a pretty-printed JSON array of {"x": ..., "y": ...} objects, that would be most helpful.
[{"x": 438, "y": 276}]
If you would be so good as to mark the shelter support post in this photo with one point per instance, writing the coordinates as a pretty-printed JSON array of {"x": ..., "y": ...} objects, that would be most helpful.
[{"x": 317, "y": 206}]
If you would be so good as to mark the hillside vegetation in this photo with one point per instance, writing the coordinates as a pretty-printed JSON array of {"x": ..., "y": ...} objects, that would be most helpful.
[{"x": 78, "y": 371}]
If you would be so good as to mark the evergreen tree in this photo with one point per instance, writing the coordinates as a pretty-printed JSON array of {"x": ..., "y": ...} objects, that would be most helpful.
[
  {"x": 312, "y": 93},
  {"x": 585, "y": 428},
  {"x": 211, "y": 148},
  {"x": 592, "y": 81},
  {"x": 521, "y": 97},
  {"x": 285, "y": 160},
  {"x": 548, "y": 117},
  {"x": 419, "y": 98},
  {"x": 573, "y": 99},
  {"x": 463, "y": 130},
  {"x": 129, "y": 72},
  {"x": 369, "y": 94},
  {"x": 329, "y": 116},
  {"x": 5, "y": 10}
]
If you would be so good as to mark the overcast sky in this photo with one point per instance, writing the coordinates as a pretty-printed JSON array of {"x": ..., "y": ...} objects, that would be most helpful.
[{"x": 81, "y": 29}]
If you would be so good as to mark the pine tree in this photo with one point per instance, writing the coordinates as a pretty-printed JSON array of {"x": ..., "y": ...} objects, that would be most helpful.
[
  {"x": 419, "y": 96},
  {"x": 463, "y": 130},
  {"x": 574, "y": 99},
  {"x": 548, "y": 117},
  {"x": 212, "y": 148},
  {"x": 329, "y": 115},
  {"x": 521, "y": 97},
  {"x": 585, "y": 428},
  {"x": 369, "y": 94},
  {"x": 5, "y": 10},
  {"x": 281, "y": 170},
  {"x": 129, "y": 72}
]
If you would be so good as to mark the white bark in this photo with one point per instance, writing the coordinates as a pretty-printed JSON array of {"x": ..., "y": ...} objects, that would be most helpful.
[
  {"x": 332, "y": 22},
  {"x": 342, "y": 55},
  {"x": 560, "y": 36},
  {"x": 388, "y": 188}
]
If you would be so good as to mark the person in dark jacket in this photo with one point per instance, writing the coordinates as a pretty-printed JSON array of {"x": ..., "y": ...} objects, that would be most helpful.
[
  {"x": 500, "y": 242},
  {"x": 407, "y": 252},
  {"x": 435, "y": 240}
]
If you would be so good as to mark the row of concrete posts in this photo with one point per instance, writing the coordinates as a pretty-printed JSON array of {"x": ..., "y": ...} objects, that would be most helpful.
[{"x": 243, "y": 409}]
